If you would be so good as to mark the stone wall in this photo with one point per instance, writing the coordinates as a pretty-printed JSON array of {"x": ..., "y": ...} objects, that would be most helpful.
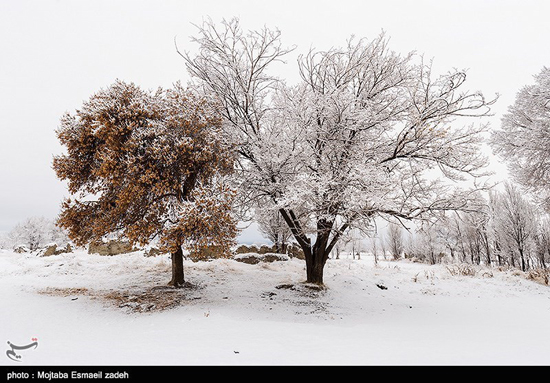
[{"x": 112, "y": 247}]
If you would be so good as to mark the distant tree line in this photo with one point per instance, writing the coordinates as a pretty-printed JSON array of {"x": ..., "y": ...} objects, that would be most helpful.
[
  {"x": 511, "y": 226},
  {"x": 509, "y": 230}
]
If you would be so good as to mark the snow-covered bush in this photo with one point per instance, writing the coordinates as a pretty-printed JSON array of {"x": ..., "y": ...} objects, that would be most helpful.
[{"x": 35, "y": 233}]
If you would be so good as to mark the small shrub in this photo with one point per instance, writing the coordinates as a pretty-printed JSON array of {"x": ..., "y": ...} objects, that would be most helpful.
[
  {"x": 539, "y": 275},
  {"x": 462, "y": 270}
]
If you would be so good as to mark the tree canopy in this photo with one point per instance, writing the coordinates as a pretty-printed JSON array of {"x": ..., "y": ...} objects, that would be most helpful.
[
  {"x": 523, "y": 140},
  {"x": 147, "y": 166},
  {"x": 360, "y": 136}
]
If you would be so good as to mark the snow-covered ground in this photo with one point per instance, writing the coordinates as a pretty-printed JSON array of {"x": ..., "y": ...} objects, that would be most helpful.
[{"x": 97, "y": 310}]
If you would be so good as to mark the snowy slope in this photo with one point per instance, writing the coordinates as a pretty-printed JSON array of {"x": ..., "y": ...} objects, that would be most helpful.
[{"x": 97, "y": 310}]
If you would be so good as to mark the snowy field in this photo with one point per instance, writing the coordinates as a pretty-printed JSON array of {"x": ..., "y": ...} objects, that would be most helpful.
[{"x": 98, "y": 310}]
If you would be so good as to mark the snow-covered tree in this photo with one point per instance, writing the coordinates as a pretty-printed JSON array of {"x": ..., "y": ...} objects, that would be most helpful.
[
  {"x": 35, "y": 232},
  {"x": 341, "y": 246},
  {"x": 146, "y": 166},
  {"x": 4, "y": 240},
  {"x": 515, "y": 222},
  {"x": 30, "y": 233},
  {"x": 523, "y": 140},
  {"x": 470, "y": 237},
  {"x": 542, "y": 242},
  {"x": 272, "y": 226},
  {"x": 375, "y": 248},
  {"x": 427, "y": 243},
  {"x": 394, "y": 240},
  {"x": 366, "y": 132}
]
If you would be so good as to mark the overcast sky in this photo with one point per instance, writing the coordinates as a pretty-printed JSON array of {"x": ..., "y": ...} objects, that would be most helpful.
[{"x": 54, "y": 54}]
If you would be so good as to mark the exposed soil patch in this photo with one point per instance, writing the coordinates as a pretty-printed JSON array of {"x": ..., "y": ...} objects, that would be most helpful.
[
  {"x": 158, "y": 298},
  {"x": 65, "y": 291},
  {"x": 306, "y": 298}
]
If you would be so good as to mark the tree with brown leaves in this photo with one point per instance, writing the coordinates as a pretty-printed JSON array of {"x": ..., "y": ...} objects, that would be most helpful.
[{"x": 147, "y": 166}]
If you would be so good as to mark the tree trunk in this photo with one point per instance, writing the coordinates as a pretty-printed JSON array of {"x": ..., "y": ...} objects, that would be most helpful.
[
  {"x": 522, "y": 259},
  {"x": 316, "y": 256},
  {"x": 177, "y": 268},
  {"x": 488, "y": 251},
  {"x": 315, "y": 264}
]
